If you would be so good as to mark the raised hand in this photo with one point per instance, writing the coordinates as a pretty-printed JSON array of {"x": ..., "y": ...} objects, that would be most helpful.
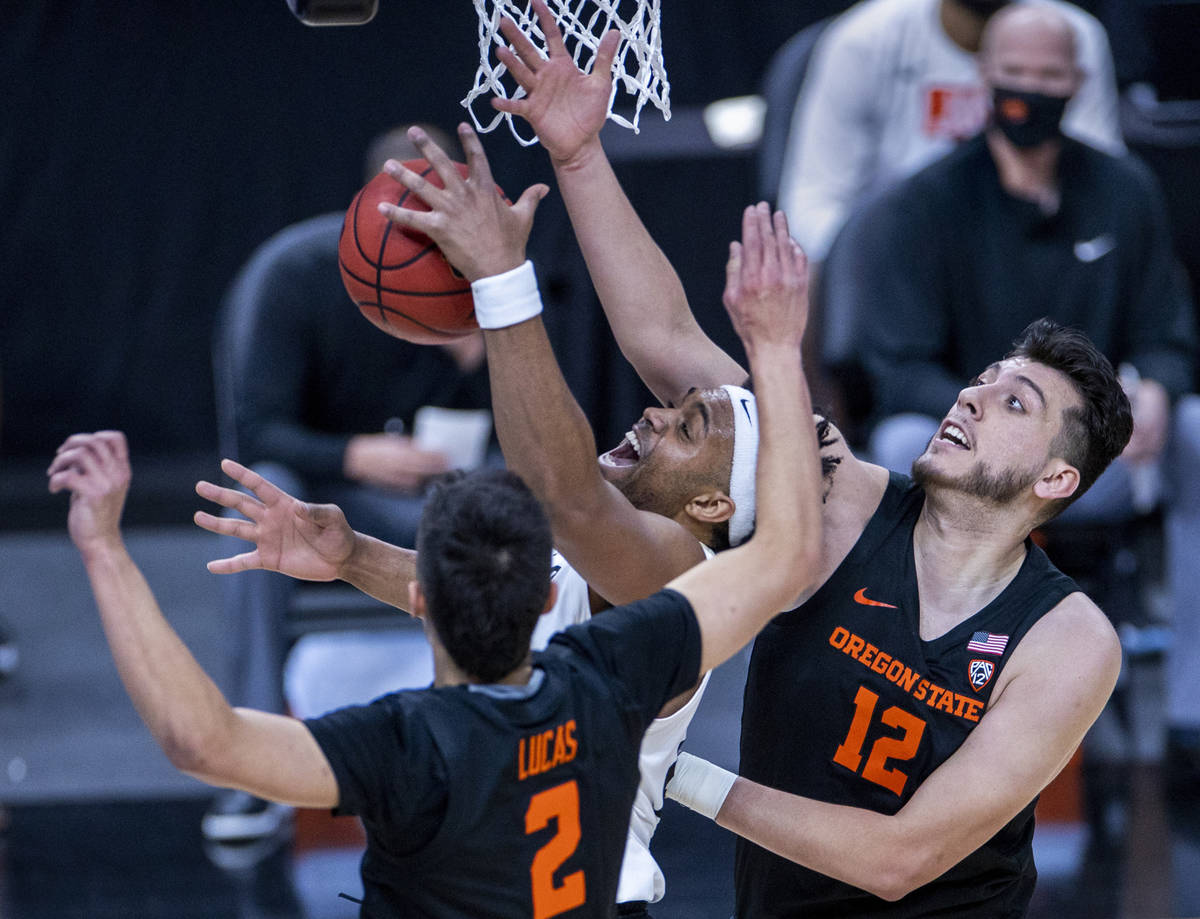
[
  {"x": 94, "y": 468},
  {"x": 565, "y": 107},
  {"x": 766, "y": 281},
  {"x": 307, "y": 541},
  {"x": 477, "y": 230}
]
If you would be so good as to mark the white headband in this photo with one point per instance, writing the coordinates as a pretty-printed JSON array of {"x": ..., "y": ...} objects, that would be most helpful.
[{"x": 745, "y": 461}]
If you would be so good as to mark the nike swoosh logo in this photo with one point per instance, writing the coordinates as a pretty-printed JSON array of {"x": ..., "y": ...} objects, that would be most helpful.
[
  {"x": 1089, "y": 250},
  {"x": 861, "y": 597},
  {"x": 746, "y": 409}
]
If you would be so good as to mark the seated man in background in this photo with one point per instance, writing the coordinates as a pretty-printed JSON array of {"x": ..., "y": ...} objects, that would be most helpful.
[
  {"x": 894, "y": 84},
  {"x": 320, "y": 401},
  {"x": 1021, "y": 222}
]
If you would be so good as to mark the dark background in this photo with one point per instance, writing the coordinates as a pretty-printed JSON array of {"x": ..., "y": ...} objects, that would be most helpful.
[{"x": 148, "y": 146}]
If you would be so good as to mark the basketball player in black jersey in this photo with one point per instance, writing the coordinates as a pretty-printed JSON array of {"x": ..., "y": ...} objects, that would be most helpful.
[
  {"x": 900, "y": 723},
  {"x": 505, "y": 789}
]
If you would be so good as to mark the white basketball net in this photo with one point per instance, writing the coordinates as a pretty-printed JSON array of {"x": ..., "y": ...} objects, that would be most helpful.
[{"x": 637, "y": 65}]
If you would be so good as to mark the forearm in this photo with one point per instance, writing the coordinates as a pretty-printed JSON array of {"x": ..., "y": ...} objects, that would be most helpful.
[
  {"x": 639, "y": 289},
  {"x": 854, "y": 845},
  {"x": 184, "y": 710},
  {"x": 543, "y": 433},
  {"x": 381, "y": 570},
  {"x": 778, "y": 564}
]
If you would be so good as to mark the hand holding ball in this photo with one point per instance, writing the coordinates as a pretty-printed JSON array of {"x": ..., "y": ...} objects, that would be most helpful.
[{"x": 398, "y": 277}]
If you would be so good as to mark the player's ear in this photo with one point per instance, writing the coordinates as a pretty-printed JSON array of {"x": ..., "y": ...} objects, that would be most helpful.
[
  {"x": 1059, "y": 480},
  {"x": 710, "y": 507},
  {"x": 416, "y": 600},
  {"x": 551, "y": 598}
]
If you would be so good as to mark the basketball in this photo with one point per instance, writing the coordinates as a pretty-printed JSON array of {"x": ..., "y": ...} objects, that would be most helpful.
[{"x": 399, "y": 278}]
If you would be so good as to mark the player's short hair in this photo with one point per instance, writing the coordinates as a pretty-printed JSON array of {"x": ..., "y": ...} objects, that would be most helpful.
[
  {"x": 1093, "y": 434},
  {"x": 483, "y": 562}
]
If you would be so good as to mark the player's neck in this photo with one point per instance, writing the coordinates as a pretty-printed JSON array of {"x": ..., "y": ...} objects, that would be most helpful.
[
  {"x": 961, "y": 26},
  {"x": 966, "y": 554},
  {"x": 447, "y": 673}
]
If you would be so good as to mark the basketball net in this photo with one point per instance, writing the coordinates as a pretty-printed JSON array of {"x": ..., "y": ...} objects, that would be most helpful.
[{"x": 637, "y": 65}]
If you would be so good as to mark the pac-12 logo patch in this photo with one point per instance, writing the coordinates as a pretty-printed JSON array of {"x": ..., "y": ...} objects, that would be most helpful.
[{"x": 979, "y": 672}]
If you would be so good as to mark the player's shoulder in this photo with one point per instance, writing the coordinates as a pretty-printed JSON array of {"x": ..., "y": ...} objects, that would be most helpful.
[{"x": 1075, "y": 630}]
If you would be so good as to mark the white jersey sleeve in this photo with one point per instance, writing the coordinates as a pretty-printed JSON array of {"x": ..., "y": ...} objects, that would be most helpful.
[
  {"x": 571, "y": 607},
  {"x": 641, "y": 878}
]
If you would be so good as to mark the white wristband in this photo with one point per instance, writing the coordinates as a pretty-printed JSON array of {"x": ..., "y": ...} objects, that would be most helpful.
[
  {"x": 700, "y": 785},
  {"x": 506, "y": 299}
]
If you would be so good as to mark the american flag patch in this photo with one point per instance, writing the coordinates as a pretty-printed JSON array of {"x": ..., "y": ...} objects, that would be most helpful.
[{"x": 988, "y": 643}]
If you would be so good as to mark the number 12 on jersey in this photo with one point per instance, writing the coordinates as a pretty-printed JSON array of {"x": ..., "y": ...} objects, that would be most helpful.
[
  {"x": 899, "y": 748},
  {"x": 560, "y": 803}
]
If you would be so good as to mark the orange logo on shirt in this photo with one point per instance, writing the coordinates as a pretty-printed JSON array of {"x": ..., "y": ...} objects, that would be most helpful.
[
  {"x": 954, "y": 111},
  {"x": 861, "y": 597}
]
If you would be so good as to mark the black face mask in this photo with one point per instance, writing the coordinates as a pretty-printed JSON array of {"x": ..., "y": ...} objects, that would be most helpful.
[{"x": 1027, "y": 119}]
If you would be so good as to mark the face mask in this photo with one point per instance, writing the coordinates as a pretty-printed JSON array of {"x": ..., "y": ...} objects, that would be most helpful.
[{"x": 1027, "y": 119}]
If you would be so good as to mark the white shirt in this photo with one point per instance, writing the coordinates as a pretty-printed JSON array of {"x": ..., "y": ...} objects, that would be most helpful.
[
  {"x": 641, "y": 878},
  {"x": 887, "y": 92}
]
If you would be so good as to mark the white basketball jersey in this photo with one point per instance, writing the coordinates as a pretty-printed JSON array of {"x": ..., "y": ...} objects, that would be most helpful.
[{"x": 641, "y": 878}]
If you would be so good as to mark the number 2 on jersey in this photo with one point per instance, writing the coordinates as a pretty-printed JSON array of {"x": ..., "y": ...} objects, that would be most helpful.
[
  {"x": 901, "y": 748},
  {"x": 561, "y": 803}
]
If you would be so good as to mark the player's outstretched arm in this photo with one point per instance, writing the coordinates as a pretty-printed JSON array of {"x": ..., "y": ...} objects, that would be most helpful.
[
  {"x": 271, "y": 756},
  {"x": 310, "y": 542},
  {"x": 1039, "y": 716},
  {"x": 736, "y": 593},
  {"x": 638, "y": 288},
  {"x": 543, "y": 432}
]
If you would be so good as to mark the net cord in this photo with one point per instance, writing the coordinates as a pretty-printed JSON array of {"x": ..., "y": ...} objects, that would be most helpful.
[{"x": 644, "y": 76}]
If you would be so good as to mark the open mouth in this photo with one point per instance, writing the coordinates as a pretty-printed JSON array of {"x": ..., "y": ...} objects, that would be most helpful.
[
  {"x": 626, "y": 453},
  {"x": 953, "y": 434}
]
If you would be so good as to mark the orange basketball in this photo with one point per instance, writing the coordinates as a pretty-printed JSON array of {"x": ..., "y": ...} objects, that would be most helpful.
[{"x": 399, "y": 278}]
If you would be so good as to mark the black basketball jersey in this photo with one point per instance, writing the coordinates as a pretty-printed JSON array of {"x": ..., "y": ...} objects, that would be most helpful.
[
  {"x": 512, "y": 802},
  {"x": 845, "y": 703}
]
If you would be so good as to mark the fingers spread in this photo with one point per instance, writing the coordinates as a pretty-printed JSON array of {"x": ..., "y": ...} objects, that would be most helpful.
[
  {"x": 554, "y": 39},
  {"x": 605, "y": 52},
  {"x": 477, "y": 162},
  {"x": 521, "y": 72},
  {"x": 520, "y": 42},
  {"x": 235, "y": 500},
  {"x": 437, "y": 157},
  {"x": 247, "y": 561},
  {"x": 224, "y": 526}
]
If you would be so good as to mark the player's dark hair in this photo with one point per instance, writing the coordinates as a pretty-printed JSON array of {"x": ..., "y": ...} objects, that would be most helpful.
[
  {"x": 483, "y": 561},
  {"x": 1094, "y": 433}
]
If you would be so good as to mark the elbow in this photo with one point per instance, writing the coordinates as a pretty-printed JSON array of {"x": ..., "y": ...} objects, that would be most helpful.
[
  {"x": 195, "y": 751},
  {"x": 901, "y": 871},
  {"x": 184, "y": 752}
]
